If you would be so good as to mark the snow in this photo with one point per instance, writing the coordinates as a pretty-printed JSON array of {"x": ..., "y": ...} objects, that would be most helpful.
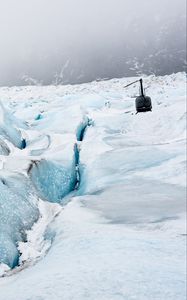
[{"x": 117, "y": 234}]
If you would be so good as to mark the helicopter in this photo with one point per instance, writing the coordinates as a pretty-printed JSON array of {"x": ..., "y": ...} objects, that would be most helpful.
[{"x": 143, "y": 103}]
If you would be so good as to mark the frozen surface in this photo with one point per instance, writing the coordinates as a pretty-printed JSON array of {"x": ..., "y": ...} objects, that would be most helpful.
[
  {"x": 120, "y": 177},
  {"x": 9, "y": 127},
  {"x": 18, "y": 212},
  {"x": 52, "y": 180},
  {"x": 4, "y": 149},
  {"x": 153, "y": 202}
]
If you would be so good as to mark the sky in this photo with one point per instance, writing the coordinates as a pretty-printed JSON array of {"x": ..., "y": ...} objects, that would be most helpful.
[{"x": 74, "y": 41}]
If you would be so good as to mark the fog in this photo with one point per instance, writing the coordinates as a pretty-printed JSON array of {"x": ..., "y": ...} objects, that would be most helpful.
[{"x": 74, "y": 41}]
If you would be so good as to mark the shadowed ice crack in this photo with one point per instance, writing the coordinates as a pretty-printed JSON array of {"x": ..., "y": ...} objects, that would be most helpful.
[{"x": 53, "y": 180}]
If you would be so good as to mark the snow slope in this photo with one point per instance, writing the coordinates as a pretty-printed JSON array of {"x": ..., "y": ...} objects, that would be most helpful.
[{"x": 107, "y": 187}]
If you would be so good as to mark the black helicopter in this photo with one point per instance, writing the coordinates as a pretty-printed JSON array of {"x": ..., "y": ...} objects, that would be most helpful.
[{"x": 143, "y": 102}]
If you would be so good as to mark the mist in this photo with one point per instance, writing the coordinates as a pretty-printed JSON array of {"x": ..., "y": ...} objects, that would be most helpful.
[{"x": 75, "y": 41}]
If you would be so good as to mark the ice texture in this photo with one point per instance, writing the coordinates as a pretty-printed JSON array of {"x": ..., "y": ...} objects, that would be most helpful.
[
  {"x": 9, "y": 127},
  {"x": 122, "y": 233},
  {"x": 4, "y": 149},
  {"x": 18, "y": 212},
  {"x": 52, "y": 180}
]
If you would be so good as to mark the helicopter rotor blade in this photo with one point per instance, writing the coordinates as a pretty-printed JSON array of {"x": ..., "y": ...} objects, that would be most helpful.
[{"x": 132, "y": 83}]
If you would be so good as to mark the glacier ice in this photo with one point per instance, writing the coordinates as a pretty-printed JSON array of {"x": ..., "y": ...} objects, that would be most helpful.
[
  {"x": 127, "y": 219},
  {"x": 48, "y": 178},
  {"x": 4, "y": 149},
  {"x": 53, "y": 180},
  {"x": 18, "y": 212},
  {"x": 9, "y": 127}
]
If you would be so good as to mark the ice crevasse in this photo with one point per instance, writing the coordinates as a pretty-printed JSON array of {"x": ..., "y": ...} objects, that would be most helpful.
[{"x": 46, "y": 178}]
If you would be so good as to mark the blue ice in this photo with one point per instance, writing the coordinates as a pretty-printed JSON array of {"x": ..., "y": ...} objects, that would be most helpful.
[
  {"x": 52, "y": 180},
  {"x": 9, "y": 125},
  {"x": 18, "y": 212}
]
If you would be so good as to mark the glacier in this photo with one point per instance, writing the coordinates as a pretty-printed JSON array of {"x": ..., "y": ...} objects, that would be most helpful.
[
  {"x": 53, "y": 181},
  {"x": 92, "y": 203},
  {"x": 17, "y": 214},
  {"x": 10, "y": 127},
  {"x": 26, "y": 177}
]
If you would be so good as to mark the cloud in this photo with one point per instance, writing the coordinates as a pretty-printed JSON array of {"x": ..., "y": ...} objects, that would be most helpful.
[{"x": 72, "y": 41}]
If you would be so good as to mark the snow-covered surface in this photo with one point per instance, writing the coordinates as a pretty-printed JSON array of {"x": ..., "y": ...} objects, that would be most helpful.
[{"x": 121, "y": 234}]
